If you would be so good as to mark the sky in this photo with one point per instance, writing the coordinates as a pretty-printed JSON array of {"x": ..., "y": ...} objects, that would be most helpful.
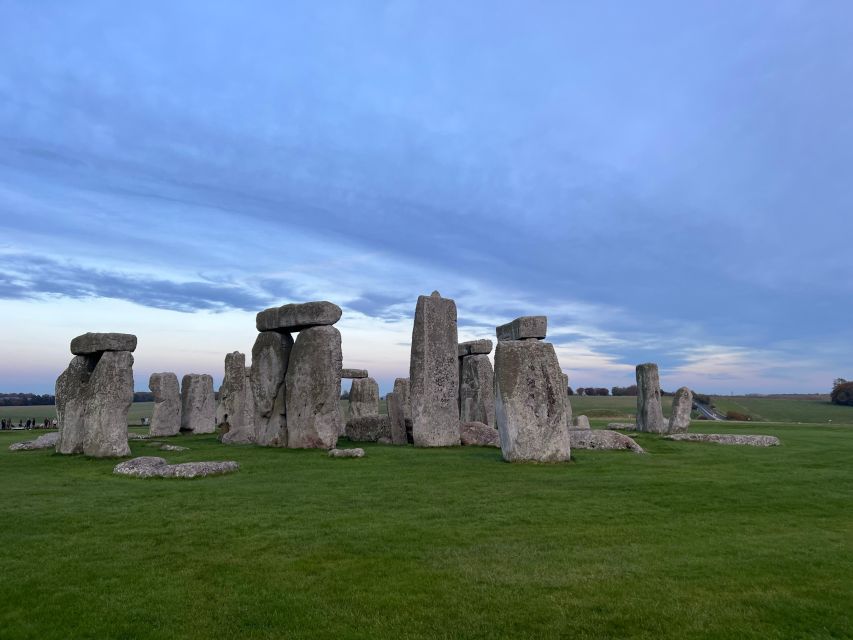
[{"x": 666, "y": 181}]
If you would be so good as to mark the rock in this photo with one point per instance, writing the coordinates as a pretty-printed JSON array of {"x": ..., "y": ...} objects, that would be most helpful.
[
  {"x": 399, "y": 412},
  {"x": 93, "y": 343},
  {"x": 384, "y": 440},
  {"x": 475, "y": 347},
  {"x": 649, "y": 412},
  {"x": 198, "y": 410},
  {"x": 477, "y": 390},
  {"x": 565, "y": 378},
  {"x": 351, "y": 374},
  {"x": 313, "y": 389},
  {"x": 142, "y": 467},
  {"x": 624, "y": 426},
  {"x": 363, "y": 398},
  {"x": 478, "y": 434},
  {"x": 71, "y": 392},
  {"x": 235, "y": 411},
  {"x": 523, "y": 328},
  {"x": 602, "y": 439},
  {"x": 580, "y": 422},
  {"x": 137, "y": 436},
  {"x": 530, "y": 407},
  {"x": 727, "y": 438},
  {"x": 296, "y": 317},
  {"x": 682, "y": 406},
  {"x": 434, "y": 373},
  {"x": 172, "y": 447},
  {"x": 270, "y": 359},
  {"x": 46, "y": 441},
  {"x": 108, "y": 400},
  {"x": 151, "y": 467},
  {"x": 368, "y": 428},
  {"x": 166, "y": 419},
  {"x": 346, "y": 453}
]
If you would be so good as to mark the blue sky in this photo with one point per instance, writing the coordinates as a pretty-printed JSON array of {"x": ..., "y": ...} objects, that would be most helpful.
[{"x": 667, "y": 181}]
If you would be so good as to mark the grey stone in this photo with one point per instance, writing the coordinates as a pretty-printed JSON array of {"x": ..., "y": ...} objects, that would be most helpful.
[
  {"x": 523, "y": 328},
  {"x": 92, "y": 343},
  {"x": 530, "y": 407},
  {"x": 565, "y": 378},
  {"x": 235, "y": 410},
  {"x": 198, "y": 408},
  {"x": 172, "y": 447},
  {"x": 166, "y": 419},
  {"x": 602, "y": 439},
  {"x": 137, "y": 436},
  {"x": 346, "y": 453},
  {"x": 479, "y": 434},
  {"x": 384, "y": 440},
  {"x": 477, "y": 390},
  {"x": 434, "y": 373},
  {"x": 109, "y": 397},
  {"x": 363, "y": 398},
  {"x": 649, "y": 412},
  {"x": 682, "y": 406},
  {"x": 313, "y": 389},
  {"x": 46, "y": 441},
  {"x": 270, "y": 359},
  {"x": 155, "y": 467},
  {"x": 727, "y": 438},
  {"x": 623, "y": 426},
  {"x": 475, "y": 347},
  {"x": 72, "y": 388},
  {"x": 368, "y": 428},
  {"x": 352, "y": 374},
  {"x": 580, "y": 422},
  {"x": 399, "y": 412},
  {"x": 296, "y": 317}
]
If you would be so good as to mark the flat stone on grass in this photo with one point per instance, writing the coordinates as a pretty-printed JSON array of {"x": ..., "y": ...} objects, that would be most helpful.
[
  {"x": 728, "y": 438},
  {"x": 358, "y": 452},
  {"x": 46, "y": 441},
  {"x": 154, "y": 467}
]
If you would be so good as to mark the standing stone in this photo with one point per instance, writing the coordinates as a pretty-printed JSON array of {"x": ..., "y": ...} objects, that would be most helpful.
[
  {"x": 108, "y": 401},
  {"x": 71, "y": 391},
  {"x": 363, "y": 398},
  {"x": 530, "y": 402},
  {"x": 477, "y": 390},
  {"x": 198, "y": 409},
  {"x": 235, "y": 410},
  {"x": 166, "y": 419},
  {"x": 434, "y": 373},
  {"x": 270, "y": 358},
  {"x": 565, "y": 377},
  {"x": 682, "y": 406},
  {"x": 649, "y": 412},
  {"x": 313, "y": 389},
  {"x": 399, "y": 412}
]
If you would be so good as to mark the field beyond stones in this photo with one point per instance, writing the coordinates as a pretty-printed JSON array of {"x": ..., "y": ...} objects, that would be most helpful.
[{"x": 692, "y": 540}]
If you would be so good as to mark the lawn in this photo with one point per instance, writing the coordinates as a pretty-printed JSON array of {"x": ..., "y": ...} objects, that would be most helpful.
[
  {"x": 690, "y": 541},
  {"x": 806, "y": 409}
]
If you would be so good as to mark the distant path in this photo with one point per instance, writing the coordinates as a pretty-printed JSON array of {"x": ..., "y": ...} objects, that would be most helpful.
[{"x": 708, "y": 412}]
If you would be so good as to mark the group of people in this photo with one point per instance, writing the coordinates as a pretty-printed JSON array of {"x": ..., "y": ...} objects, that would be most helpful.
[{"x": 31, "y": 423}]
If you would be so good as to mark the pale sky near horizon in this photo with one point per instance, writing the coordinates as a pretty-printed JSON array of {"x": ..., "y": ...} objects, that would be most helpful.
[{"x": 667, "y": 181}]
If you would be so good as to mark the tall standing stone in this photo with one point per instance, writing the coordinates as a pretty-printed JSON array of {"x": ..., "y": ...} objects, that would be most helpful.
[
  {"x": 235, "y": 409},
  {"x": 565, "y": 378},
  {"x": 166, "y": 419},
  {"x": 399, "y": 412},
  {"x": 108, "y": 401},
  {"x": 363, "y": 398},
  {"x": 71, "y": 390},
  {"x": 198, "y": 408},
  {"x": 682, "y": 406},
  {"x": 313, "y": 389},
  {"x": 649, "y": 412},
  {"x": 270, "y": 358},
  {"x": 434, "y": 373},
  {"x": 477, "y": 390}
]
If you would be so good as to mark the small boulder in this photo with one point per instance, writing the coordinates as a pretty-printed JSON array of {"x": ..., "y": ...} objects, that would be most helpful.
[
  {"x": 580, "y": 422},
  {"x": 478, "y": 434},
  {"x": 346, "y": 453},
  {"x": 46, "y": 441},
  {"x": 602, "y": 439}
]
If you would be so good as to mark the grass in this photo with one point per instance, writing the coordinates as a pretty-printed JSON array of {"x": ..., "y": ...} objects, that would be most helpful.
[
  {"x": 690, "y": 541},
  {"x": 805, "y": 410}
]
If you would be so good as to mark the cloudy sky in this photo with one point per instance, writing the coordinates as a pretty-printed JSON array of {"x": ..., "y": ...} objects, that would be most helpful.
[{"x": 667, "y": 181}]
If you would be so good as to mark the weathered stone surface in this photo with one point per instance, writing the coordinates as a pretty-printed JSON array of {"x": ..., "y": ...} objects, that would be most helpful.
[
  {"x": 109, "y": 397},
  {"x": 475, "y": 347},
  {"x": 198, "y": 408},
  {"x": 166, "y": 419},
  {"x": 530, "y": 407},
  {"x": 727, "y": 438},
  {"x": 92, "y": 343},
  {"x": 155, "y": 467},
  {"x": 137, "y": 436},
  {"x": 622, "y": 426},
  {"x": 235, "y": 411},
  {"x": 478, "y": 434},
  {"x": 296, "y": 317},
  {"x": 313, "y": 389},
  {"x": 368, "y": 428},
  {"x": 565, "y": 378},
  {"x": 172, "y": 447},
  {"x": 71, "y": 392},
  {"x": 352, "y": 374},
  {"x": 270, "y": 358},
  {"x": 580, "y": 422},
  {"x": 602, "y": 439},
  {"x": 649, "y": 413},
  {"x": 399, "y": 412},
  {"x": 384, "y": 440},
  {"x": 523, "y": 328},
  {"x": 363, "y": 398},
  {"x": 682, "y": 406},
  {"x": 477, "y": 390},
  {"x": 346, "y": 453},
  {"x": 434, "y": 373},
  {"x": 46, "y": 441}
]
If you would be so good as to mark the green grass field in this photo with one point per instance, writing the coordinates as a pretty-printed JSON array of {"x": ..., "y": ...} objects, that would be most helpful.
[
  {"x": 805, "y": 410},
  {"x": 690, "y": 541}
]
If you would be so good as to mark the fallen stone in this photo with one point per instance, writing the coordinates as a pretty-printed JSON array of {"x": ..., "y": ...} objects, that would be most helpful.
[
  {"x": 46, "y": 441},
  {"x": 154, "y": 467},
  {"x": 346, "y": 453},
  {"x": 296, "y": 317},
  {"x": 478, "y": 434},
  {"x": 352, "y": 374},
  {"x": 198, "y": 408},
  {"x": 363, "y": 398},
  {"x": 580, "y": 422},
  {"x": 602, "y": 439},
  {"x": 523, "y": 328},
  {"x": 172, "y": 447},
  {"x": 368, "y": 428},
  {"x": 623, "y": 426},
  {"x": 72, "y": 388},
  {"x": 137, "y": 436},
  {"x": 92, "y": 343},
  {"x": 475, "y": 347},
  {"x": 727, "y": 438},
  {"x": 682, "y": 407},
  {"x": 434, "y": 373},
  {"x": 649, "y": 413},
  {"x": 235, "y": 411},
  {"x": 166, "y": 419},
  {"x": 270, "y": 359},
  {"x": 399, "y": 412},
  {"x": 477, "y": 390},
  {"x": 108, "y": 401}
]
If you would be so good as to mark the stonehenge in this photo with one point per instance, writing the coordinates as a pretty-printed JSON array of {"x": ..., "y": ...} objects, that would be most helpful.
[
  {"x": 270, "y": 357},
  {"x": 235, "y": 409},
  {"x": 523, "y": 328},
  {"x": 580, "y": 422},
  {"x": 476, "y": 383},
  {"x": 353, "y": 374},
  {"x": 727, "y": 438},
  {"x": 368, "y": 428},
  {"x": 198, "y": 410},
  {"x": 479, "y": 435},
  {"x": 682, "y": 406},
  {"x": 166, "y": 418},
  {"x": 155, "y": 467},
  {"x": 649, "y": 413},
  {"x": 363, "y": 398},
  {"x": 399, "y": 411}
]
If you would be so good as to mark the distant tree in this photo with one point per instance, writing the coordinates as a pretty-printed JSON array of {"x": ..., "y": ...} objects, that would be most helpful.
[
  {"x": 345, "y": 395},
  {"x": 624, "y": 391},
  {"x": 581, "y": 391},
  {"x": 842, "y": 394},
  {"x": 570, "y": 391},
  {"x": 601, "y": 391},
  {"x": 838, "y": 382}
]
